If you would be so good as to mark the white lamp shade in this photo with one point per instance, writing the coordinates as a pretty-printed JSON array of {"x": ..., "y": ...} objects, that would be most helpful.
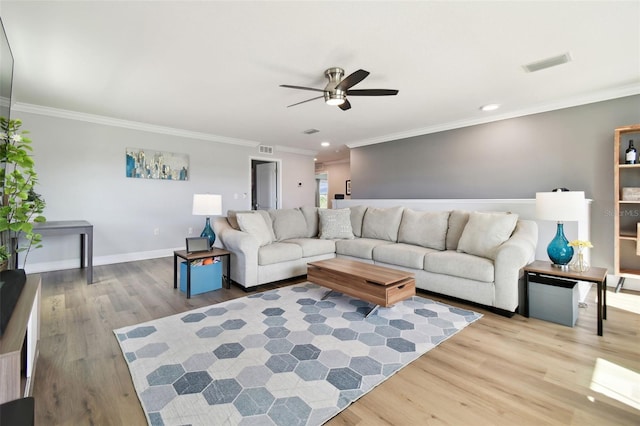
[
  {"x": 207, "y": 204},
  {"x": 559, "y": 206}
]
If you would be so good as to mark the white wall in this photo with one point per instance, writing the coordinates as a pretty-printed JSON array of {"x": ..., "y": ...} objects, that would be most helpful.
[{"x": 81, "y": 168}]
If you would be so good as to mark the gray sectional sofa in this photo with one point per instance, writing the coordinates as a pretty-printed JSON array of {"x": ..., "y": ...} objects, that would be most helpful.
[{"x": 474, "y": 256}]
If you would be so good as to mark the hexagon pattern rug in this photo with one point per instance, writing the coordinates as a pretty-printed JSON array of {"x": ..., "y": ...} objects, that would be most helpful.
[{"x": 282, "y": 357}]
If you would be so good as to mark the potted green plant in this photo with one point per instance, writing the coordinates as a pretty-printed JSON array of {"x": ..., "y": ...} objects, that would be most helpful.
[
  {"x": 5, "y": 254},
  {"x": 21, "y": 205}
]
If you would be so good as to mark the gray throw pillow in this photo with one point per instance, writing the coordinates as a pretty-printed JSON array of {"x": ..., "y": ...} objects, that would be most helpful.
[
  {"x": 335, "y": 224},
  {"x": 485, "y": 232}
]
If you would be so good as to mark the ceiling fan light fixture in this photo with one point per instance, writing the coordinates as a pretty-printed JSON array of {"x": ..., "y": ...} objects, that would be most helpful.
[{"x": 336, "y": 98}]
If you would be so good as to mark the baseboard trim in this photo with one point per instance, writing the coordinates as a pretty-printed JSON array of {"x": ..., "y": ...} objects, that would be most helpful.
[{"x": 60, "y": 265}]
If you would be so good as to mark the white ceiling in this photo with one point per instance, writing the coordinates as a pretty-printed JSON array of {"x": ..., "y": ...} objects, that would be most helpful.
[{"x": 215, "y": 67}]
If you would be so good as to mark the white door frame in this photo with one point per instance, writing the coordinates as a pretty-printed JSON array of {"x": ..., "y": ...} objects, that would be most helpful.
[{"x": 278, "y": 178}]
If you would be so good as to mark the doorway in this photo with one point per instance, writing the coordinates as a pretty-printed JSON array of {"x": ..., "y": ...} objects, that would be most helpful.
[
  {"x": 322, "y": 190},
  {"x": 265, "y": 184}
]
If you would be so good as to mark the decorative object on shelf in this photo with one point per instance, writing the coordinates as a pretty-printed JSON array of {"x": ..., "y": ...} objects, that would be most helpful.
[
  {"x": 579, "y": 264},
  {"x": 560, "y": 206},
  {"x": 207, "y": 205},
  {"x": 149, "y": 164},
  {"x": 630, "y": 194},
  {"x": 631, "y": 154},
  {"x": 348, "y": 187},
  {"x": 20, "y": 205}
]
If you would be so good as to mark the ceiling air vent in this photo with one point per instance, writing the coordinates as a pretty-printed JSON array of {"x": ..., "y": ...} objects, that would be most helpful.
[
  {"x": 310, "y": 131},
  {"x": 548, "y": 63},
  {"x": 264, "y": 149}
]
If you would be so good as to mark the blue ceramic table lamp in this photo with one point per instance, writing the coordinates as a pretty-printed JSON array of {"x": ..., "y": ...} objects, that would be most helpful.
[
  {"x": 207, "y": 205},
  {"x": 560, "y": 206}
]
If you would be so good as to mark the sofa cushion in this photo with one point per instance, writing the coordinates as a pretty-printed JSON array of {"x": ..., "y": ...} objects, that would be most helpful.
[
  {"x": 382, "y": 223},
  {"x": 406, "y": 255},
  {"x": 311, "y": 218},
  {"x": 426, "y": 229},
  {"x": 457, "y": 221},
  {"x": 335, "y": 224},
  {"x": 314, "y": 246},
  {"x": 485, "y": 232},
  {"x": 360, "y": 247},
  {"x": 233, "y": 220},
  {"x": 357, "y": 215},
  {"x": 254, "y": 225},
  {"x": 288, "y": 223},
  {"x": 278, "y": 252},
  {"x": 450, "y": 262}
]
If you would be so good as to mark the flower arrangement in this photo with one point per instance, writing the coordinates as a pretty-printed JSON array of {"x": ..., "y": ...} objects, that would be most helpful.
[
  {"x": 580, "y": 265},
  {"x": 581, "y": 244}
]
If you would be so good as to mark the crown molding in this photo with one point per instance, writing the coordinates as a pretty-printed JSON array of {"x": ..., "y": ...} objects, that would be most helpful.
[
  {"x": 619, "y": 92},
  {"x": 135, "y": 125},
  {"x": 293, "y": 150}
]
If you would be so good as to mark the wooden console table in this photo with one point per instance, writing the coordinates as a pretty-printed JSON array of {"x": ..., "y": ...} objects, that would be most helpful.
[
  {"x": 71, "y": 227},
  {"x": 23, "y": 329}
]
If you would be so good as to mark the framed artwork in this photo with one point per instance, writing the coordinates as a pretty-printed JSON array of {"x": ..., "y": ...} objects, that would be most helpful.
[
  {"x": 149, "y": 164},
  {"x": 348, "y": 187}
]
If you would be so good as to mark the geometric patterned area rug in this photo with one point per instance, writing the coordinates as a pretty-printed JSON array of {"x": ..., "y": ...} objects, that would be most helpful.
[{"x": 282, "y": 357}]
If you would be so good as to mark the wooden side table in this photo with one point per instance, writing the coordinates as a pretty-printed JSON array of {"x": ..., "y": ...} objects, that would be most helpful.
[
  {"x": 189, "y": 257},
  {"x": 593, "y": 275}
]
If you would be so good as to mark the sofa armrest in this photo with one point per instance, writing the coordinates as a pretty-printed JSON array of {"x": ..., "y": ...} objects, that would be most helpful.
[
  {"x": 517, "y": 252},
  {"x": 244, "y": 252}
]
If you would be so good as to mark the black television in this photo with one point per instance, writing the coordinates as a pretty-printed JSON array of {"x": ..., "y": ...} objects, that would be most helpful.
[{"x": 6, "y": 74}]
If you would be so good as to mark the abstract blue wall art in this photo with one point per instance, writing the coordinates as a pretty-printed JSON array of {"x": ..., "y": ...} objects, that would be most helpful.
[{"x": 150, "y": 164}]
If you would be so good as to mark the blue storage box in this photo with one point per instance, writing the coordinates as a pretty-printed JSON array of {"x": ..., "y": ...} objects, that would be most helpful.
[{"x": 203, "y": 277}]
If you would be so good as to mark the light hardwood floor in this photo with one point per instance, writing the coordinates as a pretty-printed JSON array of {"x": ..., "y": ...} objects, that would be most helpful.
[{"x": 498, "y": 371}]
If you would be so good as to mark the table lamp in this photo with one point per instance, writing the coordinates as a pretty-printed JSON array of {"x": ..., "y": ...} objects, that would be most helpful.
[
  {"x": 560, "y": 206},
  {"x": 207, "y": 205}
]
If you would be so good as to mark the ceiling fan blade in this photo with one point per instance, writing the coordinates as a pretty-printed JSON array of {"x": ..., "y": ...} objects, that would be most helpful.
[
  {"x": 308, "y": 100},
  {"x": 372, "y": 92},
  {"x": 352, "y": 79},
  {"x": 288, "y": 86},
  {"x": 345, "y": 105}
]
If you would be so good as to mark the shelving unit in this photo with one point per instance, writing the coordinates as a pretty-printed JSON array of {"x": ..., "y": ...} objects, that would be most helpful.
[{"x": 627, "y": 212}]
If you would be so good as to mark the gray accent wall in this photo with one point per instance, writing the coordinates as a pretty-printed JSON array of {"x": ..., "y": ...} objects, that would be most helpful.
[{"x": 513, "y": 158}]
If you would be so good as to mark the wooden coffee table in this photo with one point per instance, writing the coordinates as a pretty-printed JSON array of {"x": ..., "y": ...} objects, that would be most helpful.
[{"x": 372, "y": 283}]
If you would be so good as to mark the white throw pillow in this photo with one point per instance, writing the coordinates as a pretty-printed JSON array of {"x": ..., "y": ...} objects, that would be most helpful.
[
  {"x": 485, "y": 232},
  {"x": 253, "y": 224},
  {"x": 335, "y": 224}
]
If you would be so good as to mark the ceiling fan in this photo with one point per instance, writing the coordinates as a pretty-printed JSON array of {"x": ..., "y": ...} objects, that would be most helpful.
[{"x": 337, "y": 89}]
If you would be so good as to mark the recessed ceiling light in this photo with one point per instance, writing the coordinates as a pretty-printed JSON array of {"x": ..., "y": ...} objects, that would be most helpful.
[
  {"x": 315, "y": 159},
  {"x": 325, "y": 144},
  {"x": 490, "y": 107}
]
